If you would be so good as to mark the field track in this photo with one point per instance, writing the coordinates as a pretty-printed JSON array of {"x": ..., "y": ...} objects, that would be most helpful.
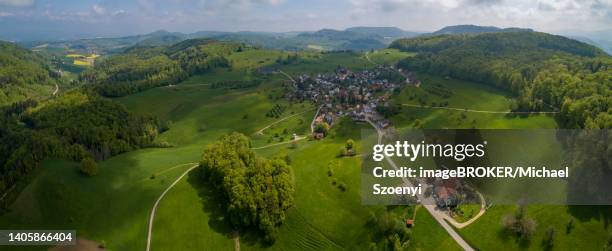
[{"x": 152, "y": 216}]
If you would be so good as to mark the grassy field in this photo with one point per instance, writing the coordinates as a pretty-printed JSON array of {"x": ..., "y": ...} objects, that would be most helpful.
[
  {"x": 388, "y": 56},
  {"x": 461, "y": 95},
  {"x": 589, "y": 230}
]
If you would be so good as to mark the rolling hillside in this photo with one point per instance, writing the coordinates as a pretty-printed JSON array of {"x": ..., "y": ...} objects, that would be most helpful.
[
  {"x": 544, "y": 71},
  {"x": 24, "y": 75}
]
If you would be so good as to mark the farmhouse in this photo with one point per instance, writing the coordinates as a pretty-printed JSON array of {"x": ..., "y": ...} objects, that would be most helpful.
[{"x": 445, "y": 193}]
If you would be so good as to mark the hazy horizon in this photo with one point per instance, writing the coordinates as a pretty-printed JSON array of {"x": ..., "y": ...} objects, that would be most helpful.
[{"x": 46, "y": 19}]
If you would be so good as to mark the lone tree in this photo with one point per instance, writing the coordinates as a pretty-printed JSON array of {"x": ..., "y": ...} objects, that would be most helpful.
[
  {"x": 519, "y": 224},
  {"x": 549, "y": 238},
  {"x": 349, "y": 148},
  {"x": 257, "y": 191},
  {"x": 349, "y": 144},
  {"x": 322, "y": 128},
  {"x": 88, "y": 167}
]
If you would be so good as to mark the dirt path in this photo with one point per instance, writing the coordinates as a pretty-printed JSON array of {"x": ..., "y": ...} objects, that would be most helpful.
[
  {"x": 56, "y": 90},
  {"x": 472, "y": 110},
  {"x": 7, "y": 192},
  {"x": 278, "y": 144},
  {"x": 152, "y": 215},
  {"x": 312, "y": 124},
  {"x": 260, "y": 132},
  {"x": 287, "y": 75},
  {"x": 367, "y": 57},
  {"x": 427, "y": 203},
  {"x": 483, "y": 209}
]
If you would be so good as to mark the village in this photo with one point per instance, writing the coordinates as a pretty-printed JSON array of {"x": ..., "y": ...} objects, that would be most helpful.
[{"x": 345, "y": 93}]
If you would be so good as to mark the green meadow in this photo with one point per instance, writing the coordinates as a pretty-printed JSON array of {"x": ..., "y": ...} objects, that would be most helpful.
[
  {"x": 460, "y": 95},
  {"x": 388, "y": 56}
]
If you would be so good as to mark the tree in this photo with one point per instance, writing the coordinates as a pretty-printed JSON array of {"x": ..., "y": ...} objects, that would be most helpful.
[
  {"x": 322, "y": 128},
  {"x": 549, "y": 238},
  {"x": 258, "y": 191},
  {"x": 520, "y": 224},
  {"x": 349, "y": 144},
  {"x": 88, "y": 167}
]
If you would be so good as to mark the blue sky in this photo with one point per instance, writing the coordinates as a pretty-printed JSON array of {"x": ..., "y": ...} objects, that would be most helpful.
[{"x": 20, "y": 19}]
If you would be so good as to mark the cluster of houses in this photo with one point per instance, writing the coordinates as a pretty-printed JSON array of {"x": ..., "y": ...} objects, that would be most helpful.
[{"x": 346, "y": 93}]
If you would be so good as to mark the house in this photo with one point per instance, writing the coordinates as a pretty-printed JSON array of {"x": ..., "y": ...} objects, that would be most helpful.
[
  {"x": 409, "y": 223},
  {"x": 318, "y": 135},
  {"x": 445, "y": 194}
]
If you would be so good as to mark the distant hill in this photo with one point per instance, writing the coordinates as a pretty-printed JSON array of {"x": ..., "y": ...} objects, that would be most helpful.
[
  {"x": 385, "y": 32},
  {"x": 473, "y": 29},
  {"x": 23, "y": 75},
  {"x": 499, "y": 44},
  {"x": 595, "y": 40},
  {"x": 161, "y": 40},
  {"x": 355, "y": 38},
  {"x": 112, "y": 45}
]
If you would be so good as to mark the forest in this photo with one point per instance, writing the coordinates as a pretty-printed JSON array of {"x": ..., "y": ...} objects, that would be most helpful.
[
  {"x": 23, "y": 74},
  {"x": 545, "y": 72},
  {"x": 141, "y": 68},
  {"x": 75, "y": 126}
]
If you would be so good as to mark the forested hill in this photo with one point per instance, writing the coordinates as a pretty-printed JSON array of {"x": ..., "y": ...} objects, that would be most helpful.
[
  {"x": 473, "y": 29},
  {"x": 142, "y": 68},
  {"x": 544, "y": 71},
  {"x": 23, "y": 74},
  {"x": 500, "y": 44},
  {"x": 76, "y": 125}
]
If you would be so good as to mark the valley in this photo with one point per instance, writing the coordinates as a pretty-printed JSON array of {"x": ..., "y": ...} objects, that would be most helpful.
[{"x": 148, "y": 193}]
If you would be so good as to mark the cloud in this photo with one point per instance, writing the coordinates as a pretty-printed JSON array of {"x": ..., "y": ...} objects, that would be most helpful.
[
  {"x": 484, "y": 2},
  {"x": 17, "y": 3},
  {"x": 98, "y": 9}
]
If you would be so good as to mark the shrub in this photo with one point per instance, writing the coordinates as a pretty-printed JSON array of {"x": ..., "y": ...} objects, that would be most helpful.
[
  {"x": 88, "y": 167},
  {"x": 342, "y": 186}
]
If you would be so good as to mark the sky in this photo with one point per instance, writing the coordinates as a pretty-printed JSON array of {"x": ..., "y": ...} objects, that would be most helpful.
[{"x": 29, "y": 19}]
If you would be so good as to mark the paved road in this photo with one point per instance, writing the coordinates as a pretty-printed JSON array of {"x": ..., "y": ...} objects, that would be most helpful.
[
  {"x": 427, "y": 202},
  {"x": 472, "y": 110},
  {"x": 152, "y": 215}
]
